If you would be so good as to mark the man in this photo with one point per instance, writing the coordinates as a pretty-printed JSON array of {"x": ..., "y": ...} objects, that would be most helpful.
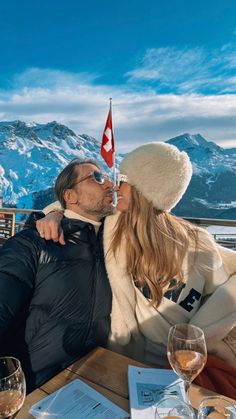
[{"x": 55, "y": 301}]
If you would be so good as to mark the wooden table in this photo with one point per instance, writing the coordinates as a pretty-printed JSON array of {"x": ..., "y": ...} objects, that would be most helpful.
[{"x": 106, "y": 372}]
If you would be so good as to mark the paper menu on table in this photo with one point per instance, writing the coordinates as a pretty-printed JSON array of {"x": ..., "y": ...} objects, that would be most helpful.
[
  {"x": 147, "y": 386},
  {"x": 77, "y": 400}
]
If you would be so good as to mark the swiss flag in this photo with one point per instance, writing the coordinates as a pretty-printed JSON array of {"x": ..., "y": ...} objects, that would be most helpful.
[{"x": 108, "y": 145}]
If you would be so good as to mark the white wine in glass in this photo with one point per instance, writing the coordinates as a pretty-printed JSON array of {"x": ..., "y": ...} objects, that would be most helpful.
[
  {"x": 12, "y": 387},
  {"x": 187, "y": 353}
]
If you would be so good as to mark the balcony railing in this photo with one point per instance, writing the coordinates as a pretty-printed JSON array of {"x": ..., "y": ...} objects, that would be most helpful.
[
  {"x": 211, "y": 221},
  {"x": 226, "y": 237},
  {"x": 21, "y": 215}
]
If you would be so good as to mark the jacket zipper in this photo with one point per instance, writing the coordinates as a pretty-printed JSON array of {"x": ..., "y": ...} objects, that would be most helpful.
[{"x": 93, "y": 299}]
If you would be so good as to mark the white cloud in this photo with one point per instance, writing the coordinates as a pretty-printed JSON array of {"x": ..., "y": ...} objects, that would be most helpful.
[
  {"x": 46, "y": 77},
  {"x": 168, "y": 64},
  {"x": 139, "y": 115},
  {"x": 187, "y": 70}
]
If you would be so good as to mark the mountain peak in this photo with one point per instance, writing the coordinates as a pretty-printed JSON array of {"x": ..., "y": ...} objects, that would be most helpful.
[
  {"x": 188, "y": 142},
  {"x": 32, "y": 154}
]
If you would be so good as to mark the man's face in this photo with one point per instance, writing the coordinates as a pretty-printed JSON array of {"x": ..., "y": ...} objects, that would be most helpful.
[{"x": 89, "y": 198}]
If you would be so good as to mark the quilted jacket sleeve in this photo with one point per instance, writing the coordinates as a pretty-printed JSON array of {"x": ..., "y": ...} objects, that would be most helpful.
[{"x": 18, "y": 268}]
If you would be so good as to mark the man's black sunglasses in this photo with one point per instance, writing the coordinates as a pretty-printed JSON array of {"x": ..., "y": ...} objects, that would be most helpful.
[{"x": 97, "y": 176}]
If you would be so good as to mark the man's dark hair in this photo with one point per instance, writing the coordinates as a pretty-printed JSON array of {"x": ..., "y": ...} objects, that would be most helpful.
[{"x": 68, "y": 178}]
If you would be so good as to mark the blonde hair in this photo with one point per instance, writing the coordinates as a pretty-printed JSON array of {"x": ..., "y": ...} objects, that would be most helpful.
[{"x": 156, "y": 244}]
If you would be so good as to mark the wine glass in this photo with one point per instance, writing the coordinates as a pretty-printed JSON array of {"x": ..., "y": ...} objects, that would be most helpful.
[
  {"x": 216, "y": 407},
  {"x": 187, "y": 353},
  {"x": 12, "y": 387},
  {"x": 173, "y": 407}
]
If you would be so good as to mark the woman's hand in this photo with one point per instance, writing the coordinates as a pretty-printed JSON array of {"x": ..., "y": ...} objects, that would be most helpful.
[{"x": 49, "y": 227}]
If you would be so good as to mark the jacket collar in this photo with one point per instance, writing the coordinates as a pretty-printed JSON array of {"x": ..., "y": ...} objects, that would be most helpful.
[{"x": 71, "y": 226}]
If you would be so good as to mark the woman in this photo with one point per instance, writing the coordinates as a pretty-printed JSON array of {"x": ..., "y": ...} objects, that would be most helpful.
[
  {"x": 162, "y": 269},
  {"x": 146, "y": 247}
]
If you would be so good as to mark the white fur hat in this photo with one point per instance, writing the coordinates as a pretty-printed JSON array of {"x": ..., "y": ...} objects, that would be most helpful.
[{"x": 160, "y": 171}]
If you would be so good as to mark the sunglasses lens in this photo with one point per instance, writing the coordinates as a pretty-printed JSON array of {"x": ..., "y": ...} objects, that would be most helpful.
[{"x": 98, "y": 177}]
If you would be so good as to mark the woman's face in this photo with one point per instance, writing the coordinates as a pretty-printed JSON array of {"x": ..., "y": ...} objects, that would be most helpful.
[{"x": 123, "y": 196}]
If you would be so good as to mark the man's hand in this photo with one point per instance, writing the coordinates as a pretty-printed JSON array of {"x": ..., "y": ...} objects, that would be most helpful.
[{"x": 49, "y": 227}]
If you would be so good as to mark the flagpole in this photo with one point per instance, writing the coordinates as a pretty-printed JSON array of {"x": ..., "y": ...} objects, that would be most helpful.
[
  {"x": 114, "y": 157},
  {"x": 114, "y": 160}
]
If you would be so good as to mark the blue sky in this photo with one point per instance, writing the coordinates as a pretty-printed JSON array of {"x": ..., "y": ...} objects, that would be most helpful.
[{"x": 170, "y": 66}]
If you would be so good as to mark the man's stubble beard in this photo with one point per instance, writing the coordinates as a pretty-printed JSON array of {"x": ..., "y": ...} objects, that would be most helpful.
[
  {"x": 100, "y": 212},
  {"x": 100, "y": 209}
]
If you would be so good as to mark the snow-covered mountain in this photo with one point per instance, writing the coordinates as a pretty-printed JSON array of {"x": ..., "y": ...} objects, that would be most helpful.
[
  {"x": 212, "y": 191},
  {"x": 32, "y": 155}
]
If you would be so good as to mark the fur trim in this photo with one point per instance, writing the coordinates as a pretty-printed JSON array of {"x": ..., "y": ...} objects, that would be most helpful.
[
  {"x": 160, "y": 172},
  {"x": 133, "y": 320}
]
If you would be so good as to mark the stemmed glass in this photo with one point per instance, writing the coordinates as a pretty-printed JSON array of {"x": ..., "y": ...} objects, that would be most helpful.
[
  {"x": 12, "y": 387},
  {"x": 173, "y": 407},
  {"x": 187, "y": 353},
  {"x": 216, "y": 407}
]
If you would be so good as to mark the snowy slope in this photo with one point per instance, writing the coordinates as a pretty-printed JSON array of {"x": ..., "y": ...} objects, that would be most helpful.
[
  {"x": 212, "y": 191},
  {"x": 32, "y": 155}
]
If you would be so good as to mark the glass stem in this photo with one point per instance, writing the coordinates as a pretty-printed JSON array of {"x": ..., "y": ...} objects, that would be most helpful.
[{"x": 186, "y": 389}]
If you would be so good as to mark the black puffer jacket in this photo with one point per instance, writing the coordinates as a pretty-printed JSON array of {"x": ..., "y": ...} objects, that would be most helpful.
[{"x": 55, "y": 301}]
